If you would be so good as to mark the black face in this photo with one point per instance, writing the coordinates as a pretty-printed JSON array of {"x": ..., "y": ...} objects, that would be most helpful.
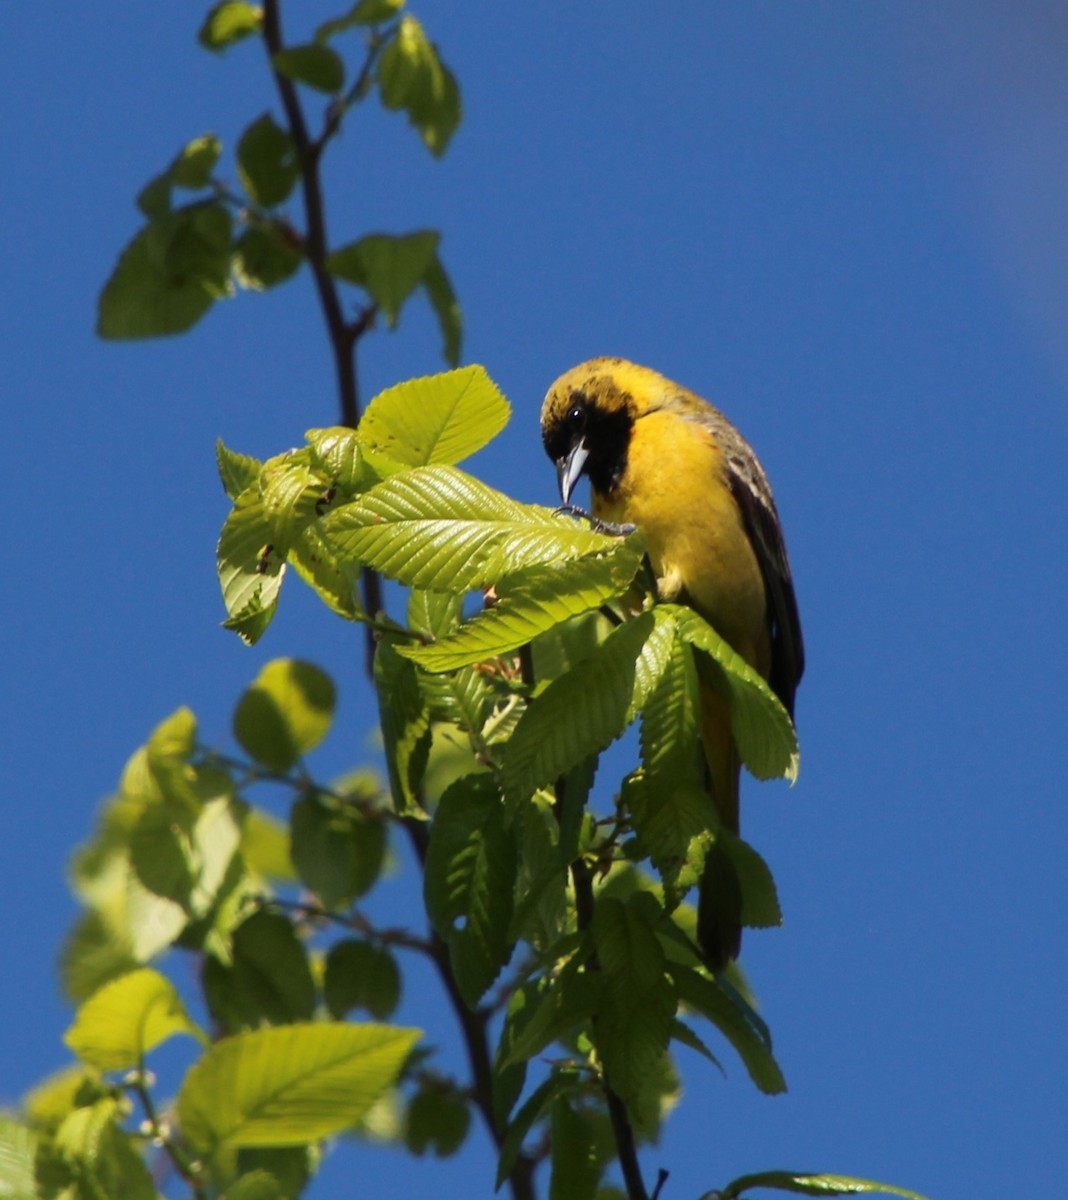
[{"x": 605, "y": 433}]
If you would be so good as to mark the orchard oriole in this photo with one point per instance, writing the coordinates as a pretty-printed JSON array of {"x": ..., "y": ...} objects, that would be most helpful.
[{"x": 659, "y": 457}]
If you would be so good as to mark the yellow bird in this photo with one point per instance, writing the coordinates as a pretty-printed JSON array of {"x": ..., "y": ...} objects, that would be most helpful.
[{"x": 659, "y": 457}]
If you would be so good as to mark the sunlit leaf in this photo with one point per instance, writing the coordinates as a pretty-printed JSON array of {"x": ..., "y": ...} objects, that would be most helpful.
[
  {"x": 285, "y": 712},
  {"x": 390, "y": 267},
  {"x": 229, "y": 22}
]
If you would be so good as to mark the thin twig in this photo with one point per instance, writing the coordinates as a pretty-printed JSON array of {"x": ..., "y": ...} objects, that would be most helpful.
[{"x": 188, "y": 1167}]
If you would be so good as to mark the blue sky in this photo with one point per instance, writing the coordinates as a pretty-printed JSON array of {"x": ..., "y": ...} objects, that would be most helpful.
[{"x": 844, "y": 224}]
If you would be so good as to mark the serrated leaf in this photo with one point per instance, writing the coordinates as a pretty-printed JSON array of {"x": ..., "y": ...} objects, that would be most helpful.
[
  {"x": 290, "y": 1085},
  {"x": 314, "y": 64},
  {"x": 761, "y": 727},
  {"x": 634, "y": 1018},
  {"x": 168, "y": 277},
  {"x": 736, "y": 1019},
  {"x": 439, "y": 528},
  {"x": 575, "y": 1156},
  {"x": 118, "y": 1025},
  {"x": 530, "y": 602},
  {"x": 813, "y": 1185},
  {"x": 334, "y": 581},
  {"x": 267, "y": 162},
  {"x": 405, "y": 722},
  {"x": 229, "y": 22},
  {"x": 441, "y": 418},
  {"x": 286, "y": 711},
  {"x": 360, "y": 975},
  {"x": 578, "y": 714},
  {"x": 237, "y": 471},
  {"x": 17, "y": 1149},
  {"x": 469, "y": 879},
  {"x": 388, "y": 266},
  {"x": 536, "y": 1105}
]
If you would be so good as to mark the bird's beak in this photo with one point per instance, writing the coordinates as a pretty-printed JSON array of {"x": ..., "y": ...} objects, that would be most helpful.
[{"x": 569, "y": 468}]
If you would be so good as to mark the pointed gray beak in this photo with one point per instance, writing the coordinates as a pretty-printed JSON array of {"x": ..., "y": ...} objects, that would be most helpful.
[{"x": 569, "y": 469}]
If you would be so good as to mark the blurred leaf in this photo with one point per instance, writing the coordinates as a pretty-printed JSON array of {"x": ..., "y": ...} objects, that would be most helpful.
[
  {"x": 94, "y": 951},
  {"x": 193, "y": 167},
  {"x": 288, "y": 1086},
  {"x": 413, "y": 78},
  {"x": 287, "y": 711},
  {"x": 269, "y": 979},
  {"x": 359, "y": 975},
  {"x": 255, "y": 1185},
  {"x": 266, "y": 255},
  {"x": 576, "y": 1166},
  {"x": 265, "y": 846},
  {"x": 17, "y": 1149},
  {"x": 117, "y": 1026},
  {"x": 389, "y": 267},
  {"x": 229, "y": 22},
  {"x": 440, "y": 418},
  {"x": 438, "y": 1120},
  {"x": 533, "y": 1109},
  {"x": 337, "y": 850},
  {"x": 468, "y": 885},
  {"x": 314, "y": 64},
  {"x": 168, "y": 277},
  {"x": 365, "y": 12},
  {"x": 446, "y": 308},
  {"x": 437, "y": 527},
  {"x": 267, "y": 162},
  {"x": 812, "y": 1185}
]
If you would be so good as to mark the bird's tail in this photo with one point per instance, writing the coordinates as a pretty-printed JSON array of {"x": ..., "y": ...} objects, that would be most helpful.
[{"x": 719, "y": 902}]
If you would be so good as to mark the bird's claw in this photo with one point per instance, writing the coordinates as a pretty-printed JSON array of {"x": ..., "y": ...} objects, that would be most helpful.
[{"x": 597, "y": 525}]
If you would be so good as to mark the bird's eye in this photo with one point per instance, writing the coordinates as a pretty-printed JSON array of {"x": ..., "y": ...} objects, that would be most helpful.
[{"x": 576, "y": 416}]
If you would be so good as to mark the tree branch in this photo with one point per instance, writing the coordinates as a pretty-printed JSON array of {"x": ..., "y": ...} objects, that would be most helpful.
[{"x": 343, "y": 335}]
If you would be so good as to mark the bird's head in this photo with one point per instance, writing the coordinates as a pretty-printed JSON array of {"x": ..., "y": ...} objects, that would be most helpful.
[{"x": 587, "y": 418}]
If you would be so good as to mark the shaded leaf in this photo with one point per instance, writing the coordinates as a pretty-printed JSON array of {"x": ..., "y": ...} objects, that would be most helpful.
[
  {"x": 388, "y": 266},
  {"x": 405, "y": 723},
  {"x": 438, "y": 1120},
  {"x": 813, "y": 1185},
  {"x": 285, "y": 712},
  {"x": 265, "y": 255},
  {"x": 267, "y": 162},
  {"x": 446, "y": 308},
  {"x": 314, "y": 64},
  {"x": 359, "y": 975},
  {"x": 338, "y": 850}
]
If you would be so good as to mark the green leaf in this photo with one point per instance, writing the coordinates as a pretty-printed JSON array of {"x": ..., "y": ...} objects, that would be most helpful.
[
  {"x": 812, "y": 1185},
  {"x": 168, "y": 277},
  {"x": 117, "y": 1026},
  {"x": 267, "y": 162},
  {"x": 193, "y": 167},
  {"x": 314, "y": 64},
  {"x": 760, "y": 900},
  {"x": 290, "y": 1085},
  {"x": 251, "y": 568},
  {"x": 255, "y": 1185},
  {"x": 17, "y": 1149},
  {"x": 634, "y": 1019},
  {"x": 469, "y": 880},
  {"x": 337, "y": 453},
  {"x": 413, "y": 78},
  {"x": 561, "y": 1080},
  {"x": 269, "y": 979},
  {"x": 338, "y": 851},
  {"x": 405, "y": 722},
  {"x": 761, "y": 726},
  {"x": 389, "y": 267},
  {"x": 578, "y": 714},
  {"x": 237, "y": 471},
  {"x": 736, "y": 1019},
  {"x": 446, "y": 308},
  {"x": 365, "y": 12},
  {"x": 265, "y": 846},
  {"x": 265, "y": 255},
  {"x": 575, "y": 1144},
  {"x": 530, "y": 602},
  {"x": 551, "y": 1010},
  {"x": 286, "y": 712},
  {"x": 437, "y": 1119},
  {"x": 437, "y": 419},
  {"x": 359, "y": 975},
  {"x": 439, "y": 528},
  {"x": 229, "y": 22}
]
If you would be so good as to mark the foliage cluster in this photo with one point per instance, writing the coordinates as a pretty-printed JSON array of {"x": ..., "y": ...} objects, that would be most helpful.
[{"x": 529, "y": 643}]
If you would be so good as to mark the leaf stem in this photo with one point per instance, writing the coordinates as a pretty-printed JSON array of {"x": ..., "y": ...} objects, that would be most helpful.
[{"x": 188, "y": 1167}]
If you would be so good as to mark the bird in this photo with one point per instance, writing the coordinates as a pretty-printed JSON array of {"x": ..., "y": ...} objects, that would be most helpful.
[{"x": 659, "y": 457}]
